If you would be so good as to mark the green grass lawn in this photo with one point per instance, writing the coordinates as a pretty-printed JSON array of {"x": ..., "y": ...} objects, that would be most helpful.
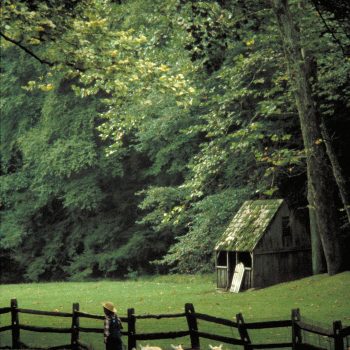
[{"x": 320, "y": 298}]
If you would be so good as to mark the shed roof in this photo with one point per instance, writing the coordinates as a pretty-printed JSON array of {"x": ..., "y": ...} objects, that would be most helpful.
[{"x": 248, "y": 225}]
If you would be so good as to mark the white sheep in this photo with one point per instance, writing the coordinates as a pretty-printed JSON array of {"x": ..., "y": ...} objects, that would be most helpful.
[
  {"x": 215, "y": 347},
  {"x": 177, "y": 347},
  {"x": 147, "y": 347}
]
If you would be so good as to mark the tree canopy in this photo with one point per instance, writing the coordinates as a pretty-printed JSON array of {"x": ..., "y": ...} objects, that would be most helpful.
[{"x": 132, "y": 131}]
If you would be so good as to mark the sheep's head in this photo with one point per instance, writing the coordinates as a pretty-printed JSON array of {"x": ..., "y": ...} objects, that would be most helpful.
[
  {"x": 147, "y": 347},
  {"x": 215, "y": 347}
]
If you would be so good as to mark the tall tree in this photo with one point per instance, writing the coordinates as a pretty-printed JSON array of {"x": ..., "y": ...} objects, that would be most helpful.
[{"x": 319, "y": 170}]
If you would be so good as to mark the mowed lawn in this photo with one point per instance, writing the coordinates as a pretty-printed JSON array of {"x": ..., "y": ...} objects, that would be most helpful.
[{"x": 320, "y": 298}]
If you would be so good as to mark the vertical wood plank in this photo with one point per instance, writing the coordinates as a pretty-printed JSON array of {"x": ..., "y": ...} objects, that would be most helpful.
[
  {"x": 252, "y": 272},
  {"x": 216, "y": 269},
  {"x": 227, "y": 272},
  {"x": 296, "y": 332},
  {"x": 75, "y": 327},
  {"x": 192, "y": 325},
  {"x": 237, "y": 278},
  {"x": 338, "y": 337},
  {"x": 15, "y": 324},
  {"x": 242, "y": 330},
  {"x": 131, "y": 329}
]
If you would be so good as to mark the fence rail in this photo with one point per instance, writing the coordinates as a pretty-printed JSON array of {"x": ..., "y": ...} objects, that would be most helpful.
[
  {"x": 217, "y": 320},
  {"x": 346, "y": 331},
  {"x": 141, "y": 317},
  {"x": 44, "y": 313},
  {"x": 297, "y": 326},
  {"x": 269, "y": 324},
  {"x": 315, "y": 329}
]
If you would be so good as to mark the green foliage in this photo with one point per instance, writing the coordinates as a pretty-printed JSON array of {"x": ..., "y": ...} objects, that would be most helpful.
[
  {"x": 206, "y": 222},
  {"x": 54, "y": 176},
  {"x": 146, "y": 127}
]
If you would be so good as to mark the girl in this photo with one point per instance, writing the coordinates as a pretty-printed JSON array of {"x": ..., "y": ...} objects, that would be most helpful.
[{"x": 112, "y": 327}]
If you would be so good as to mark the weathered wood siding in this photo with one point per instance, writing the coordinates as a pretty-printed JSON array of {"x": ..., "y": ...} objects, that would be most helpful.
[
  {"x": 279, "y": 258},
  {"x": 272, "y": 240},
  {"x": 280, "y": 267},
  {"x": 221, "y": 277}
]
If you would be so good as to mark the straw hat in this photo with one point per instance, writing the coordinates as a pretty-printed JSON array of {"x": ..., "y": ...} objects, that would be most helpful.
[{"x": 109, "y": 306}]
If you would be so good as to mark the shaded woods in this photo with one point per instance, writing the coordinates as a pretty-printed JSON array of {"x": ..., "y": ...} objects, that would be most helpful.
[{"x": 132, "y": 132}]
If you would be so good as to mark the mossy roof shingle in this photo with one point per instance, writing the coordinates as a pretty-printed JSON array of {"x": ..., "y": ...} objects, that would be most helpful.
[{"x": 248, "y": 225}]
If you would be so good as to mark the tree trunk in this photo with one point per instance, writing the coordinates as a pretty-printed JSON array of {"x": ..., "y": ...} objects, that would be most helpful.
[
  {"x": 337, "y": 171},
  {"x": 319, "y": 169},
  {"x": 318, "y": 259}
]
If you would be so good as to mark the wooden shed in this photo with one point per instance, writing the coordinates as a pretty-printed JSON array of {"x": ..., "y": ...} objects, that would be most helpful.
[{"x": 263, "y": 245}]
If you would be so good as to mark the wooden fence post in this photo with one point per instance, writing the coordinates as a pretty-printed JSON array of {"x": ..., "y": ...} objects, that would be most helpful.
[
  {"x": 338, "y": 337},
  {"x": 75, "y": 327},
  {"x": 192, "y": 325},
  {"x": 296, "y": 332},
  {"x": 243, "y": 331},
  {"x": 131, "y": 329},
  {"x": 15, "y": 324}
]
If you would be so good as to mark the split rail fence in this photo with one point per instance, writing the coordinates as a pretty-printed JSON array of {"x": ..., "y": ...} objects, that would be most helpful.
[{"x": 338, "y": 336}]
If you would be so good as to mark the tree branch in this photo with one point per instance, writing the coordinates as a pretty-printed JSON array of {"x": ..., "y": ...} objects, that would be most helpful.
[
  {"x": 328, "y": 28},
  {"x": 42, "y": 61},
  {"x": 29, "y": 52}
]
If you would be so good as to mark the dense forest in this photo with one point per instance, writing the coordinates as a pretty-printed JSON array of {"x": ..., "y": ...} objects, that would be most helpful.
[{"x": 133, "y": 130}]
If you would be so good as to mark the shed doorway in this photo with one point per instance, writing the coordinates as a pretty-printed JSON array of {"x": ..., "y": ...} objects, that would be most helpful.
[
  {"x": 225, "y": 264},
  {"x": 245, "y": 258},
  {"x": 245, "y": 280}
]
